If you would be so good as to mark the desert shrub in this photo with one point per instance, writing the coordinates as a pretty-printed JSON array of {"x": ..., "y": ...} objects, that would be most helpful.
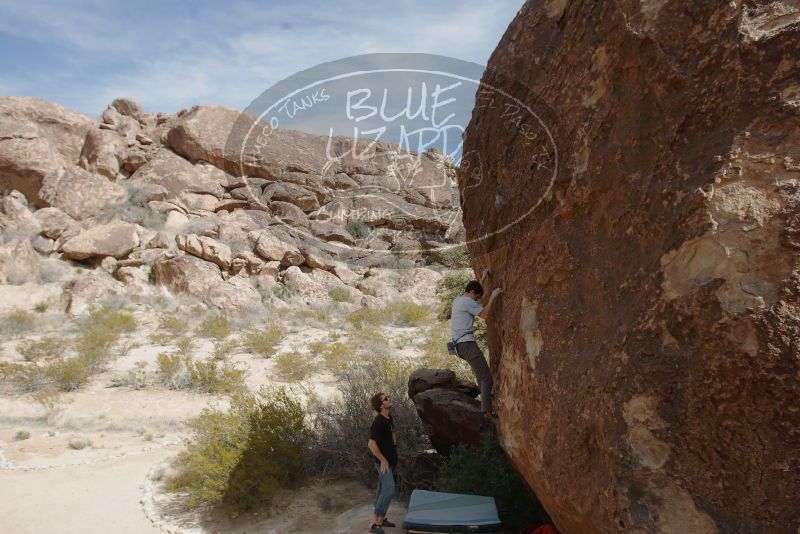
[
  {"x": 40, "y": 307},
  {"x": 357, "y": 228},
  {"x": 456, "y": 257},
  {"x": 340, "y": 294},
  {"x": 135, "y": 378},
  {"x": 282, "y": 292},
  {"x": 173, "y": 324},
  {"x": 214, "y": 378},
  {"x": 223, "y": 348},
  {"x": 169, "y": 370},
  {"x": 341, "y": 426},
  {"x": 307, "y": 316},
  {"x": 215, "y": 326},
  {"x": 294, "y": 366},
  {"x": 366, "y": 317},
  {"x": 406, "y": 313},
  {"x": 98, "y": 333},
  {"x": 22, "y": 435},
  {"x": 66, "y": 374},
  {"x": 17, "y": 322},
  {"x": 447, "y": 289},
  {"x": 239, "y": 459},
  {"x": 263, "y": 342},
  {"x": 336, "y": 355},
  {"x": 434, "y": 355},
  {"x": 44, "y": 349},
  {"x": 184, "y": 345},
  {"x": 485, "y": 470},
  {"x": 160, "y": 338}
]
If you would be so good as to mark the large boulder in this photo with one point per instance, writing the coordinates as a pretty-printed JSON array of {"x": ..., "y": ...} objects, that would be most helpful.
[
  {"x": 206, "y": 248},
  {"x": 104, "y": 151},
  {"x": 447, "y": 406},
  {"x": 89, "y": 290},
  {"x": 638, "y": 200},
  {"x": 116, "y": 238},
  {"x": 54, "y": 222},
  {"x": 203, "y": 280},
  {"x": 224, "y": 137},
  {"x": 178, "y": 176},
  {"x": 79, "y": 193},
  {"x": 36, "y": 139}
]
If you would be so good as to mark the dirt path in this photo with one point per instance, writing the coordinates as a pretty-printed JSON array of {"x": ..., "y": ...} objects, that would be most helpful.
[{"x": 99, "y": 498}]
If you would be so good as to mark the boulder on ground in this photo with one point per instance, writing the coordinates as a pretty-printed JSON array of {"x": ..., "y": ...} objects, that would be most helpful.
[
  {"x": 177, "y": 175},
  {"x": 292, "y": 193},
  {"x": 54, "y": 221},
  {"x": 79, "y": 193},
  {"x": 117, "y": 239},
  {"x": 103, "y": 152},
  {"x": 288, "y": 213},
  {"x": 14, "y": 207},
  {"x": 19, "y": 262},
  {"x": 206, "y": 248},
  {"x": 36, "y": 139},
  {"x": 448, "y": 408},
  {"x": 645, "y": 347},
  {"x": 89, "y": 290},
  {"x": 203, "y": 280}
]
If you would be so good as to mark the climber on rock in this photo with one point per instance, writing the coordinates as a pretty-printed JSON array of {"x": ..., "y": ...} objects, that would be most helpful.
[{"x": 462, "y": 327}]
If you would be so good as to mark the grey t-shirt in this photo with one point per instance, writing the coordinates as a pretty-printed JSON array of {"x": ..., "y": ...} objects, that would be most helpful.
[{"x": 462, "y": 318}]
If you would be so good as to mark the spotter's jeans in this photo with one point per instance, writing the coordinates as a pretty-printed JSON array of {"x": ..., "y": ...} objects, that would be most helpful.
[{"x": 385, "y": 490}]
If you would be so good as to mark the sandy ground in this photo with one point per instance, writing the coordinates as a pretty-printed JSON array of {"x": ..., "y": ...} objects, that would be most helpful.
[{"x": 48, "y": 486}]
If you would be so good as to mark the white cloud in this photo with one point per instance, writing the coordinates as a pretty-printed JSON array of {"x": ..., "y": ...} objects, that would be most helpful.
[{"x": 229, "y": 54}]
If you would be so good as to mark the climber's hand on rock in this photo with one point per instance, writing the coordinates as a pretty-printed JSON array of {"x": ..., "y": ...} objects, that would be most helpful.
[{"x": 497, "y": 292}]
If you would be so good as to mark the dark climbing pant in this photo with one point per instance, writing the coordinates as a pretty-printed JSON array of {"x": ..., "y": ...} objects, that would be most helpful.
[{"x": 471, "y": 353}]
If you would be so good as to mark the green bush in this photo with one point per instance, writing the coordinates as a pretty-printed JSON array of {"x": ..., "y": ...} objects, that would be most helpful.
[
  {"x": 337, "y": 355},
  {"x": 40, "y": 307},
  {"x": 486, "y": 471},
  {"x": 22, "y": 435},
  {"x": 98, "y": 333},
  {"x": 294, "y": 366},
  {"x": 173, "y": 324},
  {"x": 214, "y": 378},
  {"x": 160, "y": 338},
  {"x": 135, "y": 378},
  {"x": 66, "y": 374},
  {"x": 340, "y": 294},
  {"x": 447, "y": 289},
  {"x": 366, "y": 317},
  {"x": 17, "y": 322},
  {"x": 215, "y": 326},
  {"x": 263, "y": 342},
  {"x": 407, "y": 313},
  {"x": 224, "y": 348},
  {"x": 341, "y": 426},
  {"x": 357, "y": 228},
  {"x": 456, "y": 257},
  {"x": 170, "y": 367},
  {"x": 46, "y": 348},
  {"x": 239, "y": 459},
  {"x": 433, "y": 347},
  {"x": 184, "y": 345}
]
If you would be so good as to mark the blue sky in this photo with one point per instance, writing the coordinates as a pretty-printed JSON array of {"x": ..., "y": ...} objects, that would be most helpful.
[{"x": 170, "y": 55}]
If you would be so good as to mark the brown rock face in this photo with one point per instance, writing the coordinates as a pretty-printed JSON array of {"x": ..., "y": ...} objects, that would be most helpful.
[
  {"x": 37, "y": 138},
  {"x": 635, "y": 189}
]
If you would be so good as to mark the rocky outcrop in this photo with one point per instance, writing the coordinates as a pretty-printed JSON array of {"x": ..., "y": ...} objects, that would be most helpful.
[
  {"x": 79, "y": 193},
  {"x": 116, "y": 239},
  {"x": 203, "y": 280},
  {"x": 447, "y": 406},
  {"x": 36, "y": 139},
  {"x": 638, "y": 200}
]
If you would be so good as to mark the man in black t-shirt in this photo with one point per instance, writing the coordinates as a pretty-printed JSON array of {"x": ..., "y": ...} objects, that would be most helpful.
[{"x": 383, "y": 445}]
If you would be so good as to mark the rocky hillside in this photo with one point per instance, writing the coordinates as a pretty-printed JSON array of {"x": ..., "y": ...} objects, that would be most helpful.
[
  {"x": 138, "y": 200},
  {"x": 648, "y": 336}
]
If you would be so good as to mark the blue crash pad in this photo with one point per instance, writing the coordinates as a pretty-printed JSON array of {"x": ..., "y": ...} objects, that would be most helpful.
[{"x": 432, "y": 511}]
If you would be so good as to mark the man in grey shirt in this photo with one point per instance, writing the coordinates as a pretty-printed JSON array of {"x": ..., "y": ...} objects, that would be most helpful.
[{"x": 462, "y": 327}]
